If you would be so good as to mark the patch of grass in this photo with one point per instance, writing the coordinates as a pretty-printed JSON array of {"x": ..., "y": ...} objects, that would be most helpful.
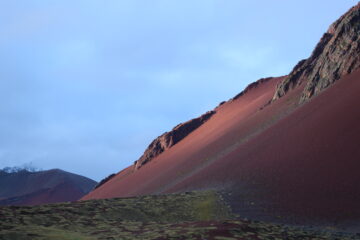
[
  {"x": 205, "y": 209},
  {"x": 193, "y": 215}
]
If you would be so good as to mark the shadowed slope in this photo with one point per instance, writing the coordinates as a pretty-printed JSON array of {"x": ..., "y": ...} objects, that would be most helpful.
[{"x": 31, "y": 188}]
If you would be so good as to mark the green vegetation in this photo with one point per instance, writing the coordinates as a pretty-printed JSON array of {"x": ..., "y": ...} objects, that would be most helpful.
[{"x": 194, "y": 215}]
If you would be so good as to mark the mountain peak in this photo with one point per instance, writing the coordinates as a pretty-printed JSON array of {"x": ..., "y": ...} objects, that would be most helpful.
[{"x": 336, "y": 55}]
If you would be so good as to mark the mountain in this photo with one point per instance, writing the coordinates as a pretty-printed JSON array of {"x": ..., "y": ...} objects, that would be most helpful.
[
  {"x": 32, "y": 188},
  {"x": 285, "y": 149}
]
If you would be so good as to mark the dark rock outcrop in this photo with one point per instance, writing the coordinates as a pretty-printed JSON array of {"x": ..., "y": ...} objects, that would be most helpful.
[
  {"x": 169, "y": 139},
  {"x": 105, "y": 180},
  {"x": 336, "y": 55}
]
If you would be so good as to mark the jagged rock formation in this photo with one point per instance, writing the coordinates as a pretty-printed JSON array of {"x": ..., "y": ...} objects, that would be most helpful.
[
  {"x": 336, "y": 55},
  {"x": 169, "y": 139}
]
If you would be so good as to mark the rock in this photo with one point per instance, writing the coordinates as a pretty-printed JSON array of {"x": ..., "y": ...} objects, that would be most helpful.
[
  {"x": 105, "y": 180},
  {"x": 336, "y": 55},
  {"x": 169, "y": 139}
]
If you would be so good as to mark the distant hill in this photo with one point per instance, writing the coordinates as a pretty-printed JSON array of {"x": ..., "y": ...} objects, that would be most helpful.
[{"x": 25, "y": 187}]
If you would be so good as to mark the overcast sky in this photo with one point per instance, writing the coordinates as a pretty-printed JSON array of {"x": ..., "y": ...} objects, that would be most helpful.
[{"x": 86, "y": 85}]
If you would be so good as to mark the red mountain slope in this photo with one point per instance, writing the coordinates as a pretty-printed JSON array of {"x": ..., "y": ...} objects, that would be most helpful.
[
  {"x": 286, "y": 148},
  {"x": 305, "y": 166},
  {"x": 233, "y": 123}
]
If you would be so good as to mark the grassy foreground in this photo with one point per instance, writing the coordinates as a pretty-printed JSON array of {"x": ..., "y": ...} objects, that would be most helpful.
[{"x": 195, "y": 215}]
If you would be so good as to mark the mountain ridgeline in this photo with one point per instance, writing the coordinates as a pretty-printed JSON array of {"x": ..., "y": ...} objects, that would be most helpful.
[
  {"x": 31, "y": 187},
  {"x": 336, "y": 55},
  {"x": 169, "y": 139},
  {"x": 285, "y": 149}
]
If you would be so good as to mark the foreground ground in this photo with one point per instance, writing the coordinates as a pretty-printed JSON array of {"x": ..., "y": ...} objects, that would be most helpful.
[{"x": 194, "y": 215}]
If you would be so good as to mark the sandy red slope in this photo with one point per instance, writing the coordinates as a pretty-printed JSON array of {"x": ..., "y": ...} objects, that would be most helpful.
[
  {"x": 306, "y": 165},
  {"x": 296, "y": 164},
  {"x": 234, "y": 122},
  {"x": 303, "y": 166}
]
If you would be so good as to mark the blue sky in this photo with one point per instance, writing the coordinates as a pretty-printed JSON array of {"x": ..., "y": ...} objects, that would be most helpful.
[{"x": 86, "y": 85}]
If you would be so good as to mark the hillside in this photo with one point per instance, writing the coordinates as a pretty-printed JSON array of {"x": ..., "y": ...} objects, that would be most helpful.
[
  {"x": 285, "y": 149},
  {"x": 32, "y": 188}
]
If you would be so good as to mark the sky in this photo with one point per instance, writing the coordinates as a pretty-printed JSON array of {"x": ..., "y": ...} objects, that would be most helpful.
[{"x": 85, "y": 85}]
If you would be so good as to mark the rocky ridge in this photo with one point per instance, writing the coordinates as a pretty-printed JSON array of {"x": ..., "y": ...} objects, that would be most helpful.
[
  {"x": 169, "y": 139},
  {"x": 336, "y": 55}
]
